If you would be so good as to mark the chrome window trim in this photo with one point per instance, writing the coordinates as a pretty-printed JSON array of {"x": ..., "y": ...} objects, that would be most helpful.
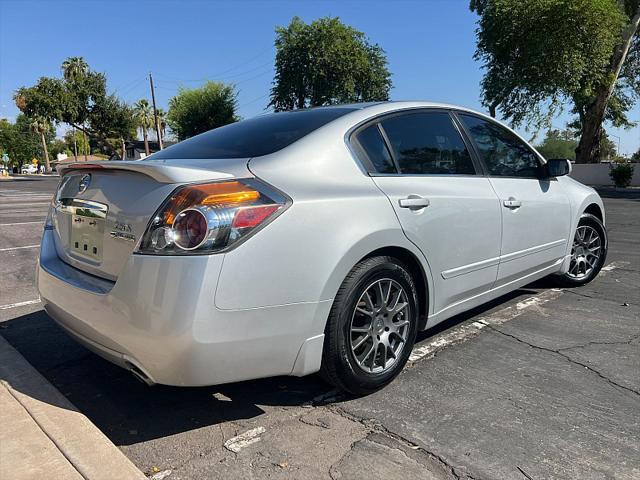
[
  {"x": 355, "y": 129},
  {"x": 541, "y": 160}
]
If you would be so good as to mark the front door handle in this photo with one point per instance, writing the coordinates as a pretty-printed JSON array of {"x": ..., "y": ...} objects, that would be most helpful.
[
  {"x": 414, "y": 202},
  {"x": 512, "y": 203}
]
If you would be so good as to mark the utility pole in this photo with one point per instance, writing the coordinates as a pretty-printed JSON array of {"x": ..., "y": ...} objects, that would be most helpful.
[
  {"x": 155, "y": 111},
  {"x": 85, "y": 143},
  {"x": 75, "y": 146}
]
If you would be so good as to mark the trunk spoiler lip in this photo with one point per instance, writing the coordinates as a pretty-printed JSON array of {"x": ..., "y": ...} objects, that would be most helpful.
[{"x": 162, "y": 172}]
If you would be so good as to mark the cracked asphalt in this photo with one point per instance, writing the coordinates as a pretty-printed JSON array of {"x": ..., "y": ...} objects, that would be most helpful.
[{"x": 539, "y": 384}]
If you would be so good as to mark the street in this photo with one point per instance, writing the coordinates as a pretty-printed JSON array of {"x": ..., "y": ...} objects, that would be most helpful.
[{"x": 542, "y": 383}]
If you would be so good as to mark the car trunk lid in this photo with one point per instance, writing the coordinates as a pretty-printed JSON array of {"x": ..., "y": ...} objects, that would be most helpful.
[{"x": 101, "y": 210}]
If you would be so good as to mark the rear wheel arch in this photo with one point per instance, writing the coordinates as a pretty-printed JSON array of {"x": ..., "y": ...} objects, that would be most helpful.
[{"x": 409, "y": 259}]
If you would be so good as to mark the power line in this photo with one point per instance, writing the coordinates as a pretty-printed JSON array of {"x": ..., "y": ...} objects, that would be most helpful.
[
  {"x": 125, "y": 87},
  {"x": 254, "y": 100},
  {"x": 219, "y": 74},
  {"x": 252, "y": 78}
]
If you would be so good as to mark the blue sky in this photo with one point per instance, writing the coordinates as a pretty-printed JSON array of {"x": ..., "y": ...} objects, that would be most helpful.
[{"x": 429, "y": 45}]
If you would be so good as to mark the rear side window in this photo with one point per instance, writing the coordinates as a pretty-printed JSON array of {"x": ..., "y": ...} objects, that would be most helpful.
[
  {"x": 371, "y": 147},
  {"x": 254, "y": 137},
  {"x": 428, "y": 143},
  {"x": 504, "y": 154}
]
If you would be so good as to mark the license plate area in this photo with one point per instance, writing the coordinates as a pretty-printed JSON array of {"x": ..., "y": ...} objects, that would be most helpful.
[{"x": 86, "y": 228}]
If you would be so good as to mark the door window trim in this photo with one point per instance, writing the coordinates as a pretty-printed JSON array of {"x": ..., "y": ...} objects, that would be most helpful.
[
  {"x": 478, "y": 166},
  {"x": 476, "y": 149}
]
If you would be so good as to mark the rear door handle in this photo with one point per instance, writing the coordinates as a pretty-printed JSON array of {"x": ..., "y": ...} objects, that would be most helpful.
[
  {"x": 512, "y": 203},
  {"x": 413, "y": 202}
]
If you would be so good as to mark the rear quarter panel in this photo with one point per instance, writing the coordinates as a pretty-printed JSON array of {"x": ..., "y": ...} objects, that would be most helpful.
[{"x": 338, "y": 216}]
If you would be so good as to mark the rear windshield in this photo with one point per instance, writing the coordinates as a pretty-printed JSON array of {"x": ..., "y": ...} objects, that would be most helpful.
[{"x": 254, "y": 137}]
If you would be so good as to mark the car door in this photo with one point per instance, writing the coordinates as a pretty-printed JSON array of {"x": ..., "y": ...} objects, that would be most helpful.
[
  {"x": 421, "y": 162},
  {"x": 536, "y": 215}
]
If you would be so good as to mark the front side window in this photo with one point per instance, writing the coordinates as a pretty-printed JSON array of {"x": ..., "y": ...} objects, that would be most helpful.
[
  {"x": 428, "y": 143},
  {"x": 504, "y": 154},
  {"x": 372, "y": 148}
]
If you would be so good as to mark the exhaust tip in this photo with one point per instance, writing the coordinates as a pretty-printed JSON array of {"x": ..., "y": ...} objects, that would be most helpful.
[{"x": 139, "y": 374}]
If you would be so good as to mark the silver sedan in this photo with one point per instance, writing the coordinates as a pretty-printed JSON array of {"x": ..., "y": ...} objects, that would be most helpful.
[{"x": 306, "y": 241}]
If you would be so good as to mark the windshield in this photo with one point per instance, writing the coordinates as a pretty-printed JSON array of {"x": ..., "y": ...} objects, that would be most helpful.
[{"x": 254, "y": 137}]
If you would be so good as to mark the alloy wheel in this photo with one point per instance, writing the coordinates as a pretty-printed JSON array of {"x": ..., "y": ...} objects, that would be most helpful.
[
  {"x": 585, "y": 252},
  {"x": 380, "y": 325}
]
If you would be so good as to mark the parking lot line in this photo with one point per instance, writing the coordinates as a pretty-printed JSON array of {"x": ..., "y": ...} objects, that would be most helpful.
[
  {"x": 465, "y": 331},
  {"x": 19, "y": 223},
  {"x": 19, "y": 248},
  {"x": 20, "y": 304},
  {"x": 25, "y": 204}
]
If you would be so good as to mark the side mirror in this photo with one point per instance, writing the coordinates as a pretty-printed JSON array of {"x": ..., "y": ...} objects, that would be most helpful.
[{"x": 557, "y": 167}]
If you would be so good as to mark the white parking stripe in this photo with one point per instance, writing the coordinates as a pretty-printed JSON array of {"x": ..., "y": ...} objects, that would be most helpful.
[
  {"x": 19, "y": 304},
  {"x": 23, "y": 204},
  {"x": 38, "y": 210},
  {"x": 613, "y": 266},
  {"x": 25, "y": 194},
  {"x": 20, "y": 223},
  {"x": 467, "y": 330},
  {"x": 18, "y": 248}
]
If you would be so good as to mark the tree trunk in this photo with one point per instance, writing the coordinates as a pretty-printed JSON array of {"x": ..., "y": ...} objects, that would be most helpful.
[
  {"x": 101, "y": 139},
  {"x": 589, "y": 146},
  {"x": 47, "y": 167},
  {"x": 146, "y": 140},
  {"x": 124, "y": 149}
]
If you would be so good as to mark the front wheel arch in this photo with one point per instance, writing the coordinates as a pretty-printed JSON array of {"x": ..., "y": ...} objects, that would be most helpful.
[
  {"x": 564, "y": 279},
  {"x": 595, "y": 210}
]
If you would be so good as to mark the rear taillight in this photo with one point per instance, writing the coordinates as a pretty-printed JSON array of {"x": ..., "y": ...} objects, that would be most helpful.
[{"x": 211, "y": 217}]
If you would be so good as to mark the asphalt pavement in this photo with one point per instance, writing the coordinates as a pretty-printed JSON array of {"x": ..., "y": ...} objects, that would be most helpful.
[{"x": 543, "y": 383}]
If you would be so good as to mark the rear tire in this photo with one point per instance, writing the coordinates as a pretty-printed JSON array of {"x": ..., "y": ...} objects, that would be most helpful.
[
  {"x": 588, "y": 252},
  {"x": 372, "y": 326}
]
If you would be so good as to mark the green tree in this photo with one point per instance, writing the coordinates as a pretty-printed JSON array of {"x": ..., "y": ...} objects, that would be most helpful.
[
  {"x": 608, "y": 148},
  {"x": 79, "y": 99},
  {"x": 20, "y": 142},
  {"x": 41, "y": 126},
  {"x": 59, "y": 146},
  {"x": 144, "y": 116},
  {"x": 196, "y": 110},
  {"x": 77, "y": 142},
  {"x": 74, "y": 68},
  {"x": 636, "y": 156},
  {"x": 162, "y": 121},
  {"x": 558, "y": 144},
  {"x": 325, "y": 63},
  {"x": 541, "y": 53}
]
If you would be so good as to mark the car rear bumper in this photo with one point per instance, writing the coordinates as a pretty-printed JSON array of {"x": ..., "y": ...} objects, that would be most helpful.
[{"x": 159, "y": 320}]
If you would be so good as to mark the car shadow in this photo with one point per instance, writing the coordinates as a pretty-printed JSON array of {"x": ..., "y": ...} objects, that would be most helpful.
[{"x": 129, "y": 412}]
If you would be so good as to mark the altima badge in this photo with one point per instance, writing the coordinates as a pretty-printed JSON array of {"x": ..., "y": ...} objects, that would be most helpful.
[{"x": 123, "y": 231}]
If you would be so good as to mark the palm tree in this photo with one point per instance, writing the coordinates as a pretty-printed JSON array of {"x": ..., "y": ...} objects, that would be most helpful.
[
  {"x": 144, "y": 117},
  {"x": 74, "y": 67},
  {"x": 41, "y": 126},
  {"x": 162, "y": 122}
]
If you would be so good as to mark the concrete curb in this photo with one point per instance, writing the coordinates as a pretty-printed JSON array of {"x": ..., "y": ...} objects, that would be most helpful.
[{"x": 85, "y": 448}]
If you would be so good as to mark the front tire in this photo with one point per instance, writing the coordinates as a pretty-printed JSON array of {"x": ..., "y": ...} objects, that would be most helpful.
[
  {"x": 372, "y": 326},
  {"x": 588, "y": 252}
]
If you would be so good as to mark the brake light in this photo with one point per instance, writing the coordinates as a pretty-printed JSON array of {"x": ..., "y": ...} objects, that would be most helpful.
[
  {"x": 211, "y": 217},
  {"x": 253, "y": 216}
]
